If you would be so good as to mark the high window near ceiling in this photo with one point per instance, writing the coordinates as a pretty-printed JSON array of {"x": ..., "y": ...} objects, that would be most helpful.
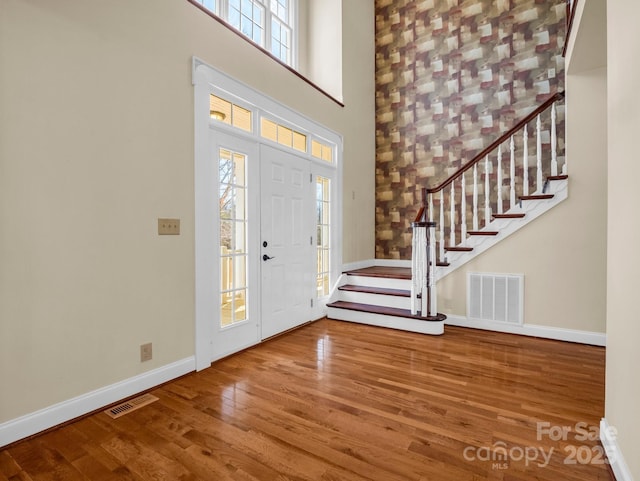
[
  {"x": 304, "y": 35},
  {"x": 268, "y": 23}
]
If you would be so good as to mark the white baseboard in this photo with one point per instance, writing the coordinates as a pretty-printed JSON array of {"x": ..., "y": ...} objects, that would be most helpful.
[
  {"x": 392, "y": 263},
  {"x": 51, "y": 416},
  {"x": 610, "y": 443},
  {"x": 571, "y": 335},
  {"x": 352, "y": 266}
]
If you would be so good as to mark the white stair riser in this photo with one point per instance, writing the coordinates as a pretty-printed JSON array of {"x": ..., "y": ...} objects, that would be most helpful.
[
  {"x": 402, "y": 323},
  {"x": 375, "y": 299},
  {"x": 379, "y": 282}
]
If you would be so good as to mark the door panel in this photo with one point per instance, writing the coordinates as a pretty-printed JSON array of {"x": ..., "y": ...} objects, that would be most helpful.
[
  {"x": 236, "y": 230},
  {"x": 286, "y": 220}
]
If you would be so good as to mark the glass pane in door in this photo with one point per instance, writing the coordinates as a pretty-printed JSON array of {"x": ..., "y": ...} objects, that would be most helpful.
[
  {"x": 323, "y": 244},
  {"x": 233, "y": 237}
]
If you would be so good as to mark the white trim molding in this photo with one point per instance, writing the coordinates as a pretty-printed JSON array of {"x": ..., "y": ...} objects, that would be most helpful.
[
  {"x": 392, "y": 263},
  {"x": 38, "y": 421},
  {"x": 352, "y": 266},
  {"x": 208, "y": 80},
  {"x": 533, "y": 330},
  {"x": 610, "y": 443}
]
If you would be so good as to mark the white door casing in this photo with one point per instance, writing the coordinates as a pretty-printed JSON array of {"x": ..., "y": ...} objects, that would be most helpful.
[{"x": 207, "y": 81}]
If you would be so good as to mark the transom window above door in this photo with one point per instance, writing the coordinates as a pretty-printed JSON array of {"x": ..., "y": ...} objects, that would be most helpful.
[
  {"x": 268, "y": 23},
  {"x": 268, "y": 127}
]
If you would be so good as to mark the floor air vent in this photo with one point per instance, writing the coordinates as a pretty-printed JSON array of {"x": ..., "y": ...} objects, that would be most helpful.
[
  {"x": 130, "y": 405},
  {"x": 495, "y": 297}
]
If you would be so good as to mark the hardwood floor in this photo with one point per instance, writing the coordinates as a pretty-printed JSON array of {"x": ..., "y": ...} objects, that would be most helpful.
[{"x": 339, "y": 401}]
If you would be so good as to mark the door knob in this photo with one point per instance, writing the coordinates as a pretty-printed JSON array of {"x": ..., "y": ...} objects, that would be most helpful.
[{"x": 266, "y": 257}]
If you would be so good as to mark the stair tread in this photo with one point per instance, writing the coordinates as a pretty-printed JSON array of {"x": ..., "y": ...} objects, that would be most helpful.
[
  {"x": 458, "y": 249},
  {"x": 380, "y": 271},
  {"x": 387, "y": 311},
  {"x": 483, "y": 232},
  {"x": 376, "y": 290},
  {"x": 558, "y": 177},
  {"x": 519, "y": 215},
  {"x": 442, "y": 264},
  {"x": 536, "y": 197}
]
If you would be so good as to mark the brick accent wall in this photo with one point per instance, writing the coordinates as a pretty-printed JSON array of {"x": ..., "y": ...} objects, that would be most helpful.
[{"x": 451, "y": 75}]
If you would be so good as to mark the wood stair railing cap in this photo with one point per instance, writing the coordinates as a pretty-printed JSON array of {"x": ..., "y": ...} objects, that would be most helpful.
[
  {"x": 536, "y": 197},
  {"x": 502, "y": 139},
  {"x": 423, "y": 224},
  {"x": 518, "y": 215},
  {"x": 483, "y": 232}
]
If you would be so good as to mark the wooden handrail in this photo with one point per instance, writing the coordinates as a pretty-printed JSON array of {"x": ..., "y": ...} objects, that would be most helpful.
[
  {"x": 423, "y": 209},
  {"x": 571, "y": 13},
  {"x": 503, "y": 138}
]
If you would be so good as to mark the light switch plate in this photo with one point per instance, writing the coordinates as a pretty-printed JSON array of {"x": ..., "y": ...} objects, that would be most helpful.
[
  {"x": 146, "y": 352},
  {"x": 168, "y": 226}
]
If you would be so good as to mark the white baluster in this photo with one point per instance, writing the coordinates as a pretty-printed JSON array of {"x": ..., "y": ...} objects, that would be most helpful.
[
  {"x": 554, "y": 141},
  {"x": 565, "y": 165},
  {"x": 500, "y": 179},
  {"x": 525, "y": 162},
  {"x": 487, "y": 201},
  {"x": 414, "y": 270},
  {"x": 512, "y": 175},
  {"x": 452, "y": 215},
  {"x": 418, "y": 268},
  {"x": 424, "y": 279},
  {"x": 431, "y": 279},
  {"x": 441, "y": 245},
  {"x": 463, "y": 211},
  {"x": 431, "y": 209},
  {"x": 539, "y": 156},
  {"x": 475, "y": 196}
]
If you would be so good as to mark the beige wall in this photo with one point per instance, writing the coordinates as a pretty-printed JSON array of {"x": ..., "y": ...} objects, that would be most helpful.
[
  {"x": 96, "y": 143},
  {"x": 562, "y": 254},
  {"x": 623, "y": 328},
  {"x": 325, "y": 45}
]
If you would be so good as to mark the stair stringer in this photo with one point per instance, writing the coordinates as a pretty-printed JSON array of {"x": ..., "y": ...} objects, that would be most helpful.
[
  {"x": 335, "y": 292},
  {"x": 505, "y": 227}
]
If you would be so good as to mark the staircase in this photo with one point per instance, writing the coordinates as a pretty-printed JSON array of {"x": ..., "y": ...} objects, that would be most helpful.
[
  {"x": 503, "y": 225},
  {"x": 380, "y": 296},
  {"x": 486, "y": 200}
]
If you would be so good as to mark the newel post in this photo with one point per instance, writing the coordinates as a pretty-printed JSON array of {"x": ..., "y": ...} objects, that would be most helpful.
[{"x": 423, "y": 264}]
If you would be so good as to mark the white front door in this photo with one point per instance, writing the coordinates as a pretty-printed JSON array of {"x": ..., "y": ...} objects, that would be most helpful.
[
  {"x": 240, "y": 298},
  {"x": 287, "y": 219},
  {"x": 236, "y": 225}
]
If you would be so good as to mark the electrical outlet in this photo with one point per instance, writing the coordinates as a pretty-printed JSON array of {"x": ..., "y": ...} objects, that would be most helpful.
[
  {"x": 168, "y": 226},
  {"x": 146, "y": 352}
]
